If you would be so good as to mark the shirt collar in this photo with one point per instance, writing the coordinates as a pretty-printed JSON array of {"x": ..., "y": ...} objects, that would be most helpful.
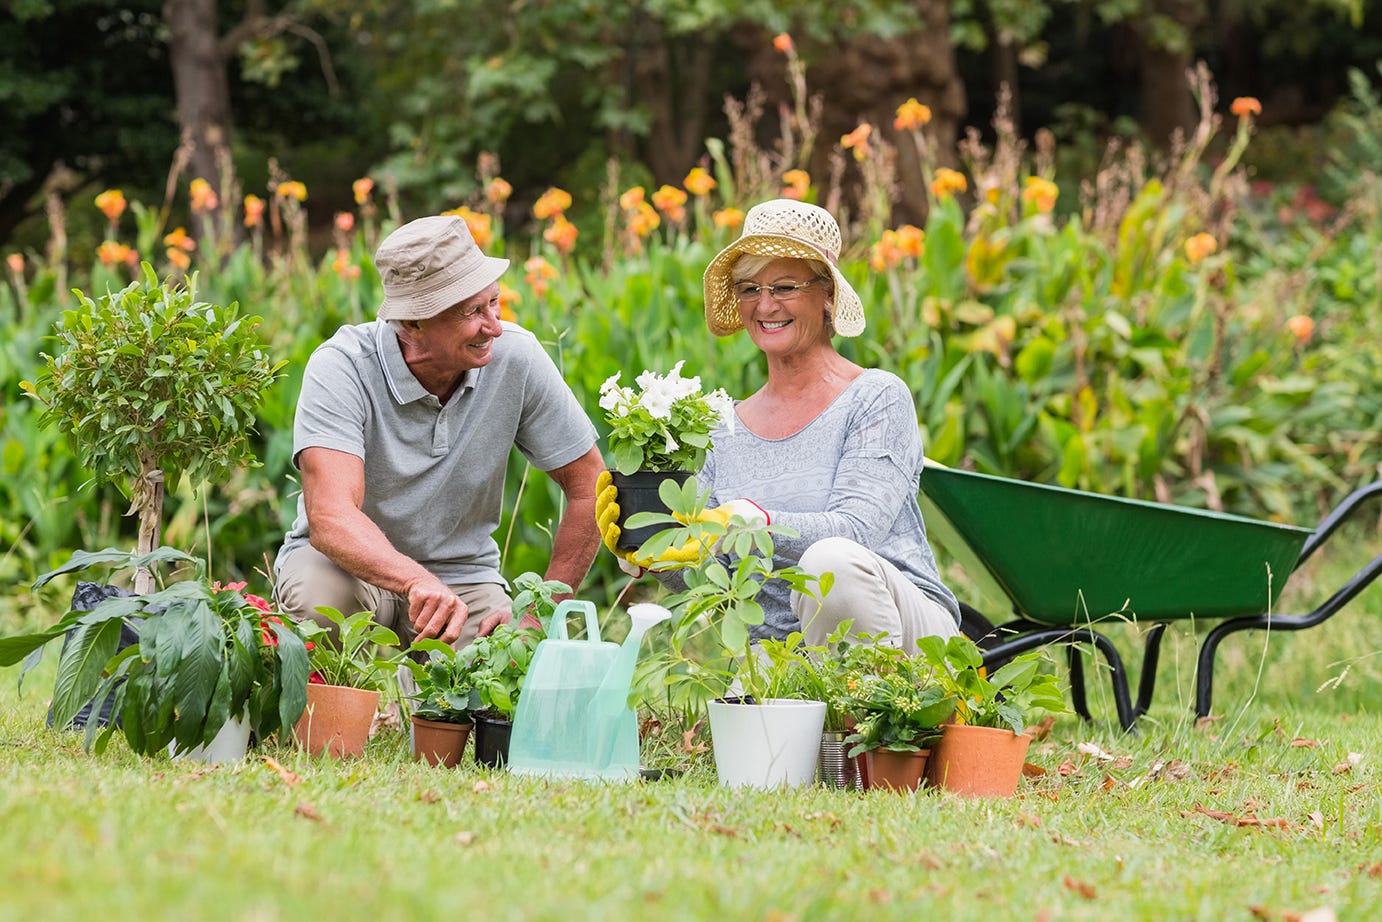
[{"x": 404, "y": 386}]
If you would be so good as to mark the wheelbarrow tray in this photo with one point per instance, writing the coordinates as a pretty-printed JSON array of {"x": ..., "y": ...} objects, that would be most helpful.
[{"x": 1065, "y": 557}]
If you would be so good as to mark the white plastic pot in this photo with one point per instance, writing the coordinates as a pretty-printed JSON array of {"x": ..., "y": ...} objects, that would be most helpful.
[
  {"x": 771, "y": 744},
  {"x": 229, "y": 745}
]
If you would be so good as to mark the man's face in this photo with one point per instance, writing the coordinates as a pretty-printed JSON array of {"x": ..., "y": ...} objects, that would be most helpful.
[{"x": 464, "y": 333}]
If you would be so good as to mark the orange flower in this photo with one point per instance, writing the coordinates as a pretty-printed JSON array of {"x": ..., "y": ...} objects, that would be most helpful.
[
  {"x": 782, "y": 42},
  {"x": 498, "y": 191},
  {"x": 481, "y": 227},
  {"x": 948, "y": 182},
  {"x": 343, "y": 266},
  {"x": 911, "y": 115},
  {"x": 885, "y": 253},
  {"x": 552, "y": 203},
  {"x": 561, "y": 234},
  {"x": 179, "y": 239},
  {"x": 16, "y": 262},
  {"x": 112, "y": 253},
  {"x": 671, "y": 202},
  {"x": 1245, "y": 106},
  {"x": 1301, "y": 327},
  {"x": 798, "y": 182},
  {"x": 362, "y": 189},
  {"x": 858, "y": 140},
  {"x": 537, "y": 272},
  {"x": 1040, "y": 193},
  {"x": 254, "y": 211},
  {"x": 179, "y": 258},
  {"x": 509, "y": 298},
  {"x": 112, "y": 204},
  {"x": 631, "y": 198},
  {"x": 345, "y": 222},
  {"x": 728, "y": 217},
  {"x": 644, "y": 220},
  {"x": 293, "y": 189},
  {"x": 1200, "y": 246},
  {"x": 910, "y": 239},
  {"x": 698, "y": 182},
  {"x": 203, "y": 197}
]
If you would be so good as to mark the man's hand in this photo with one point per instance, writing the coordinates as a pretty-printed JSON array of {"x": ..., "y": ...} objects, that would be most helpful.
[
  {"x": 492, "y": 621},
  {"x": 434, "y": 610}
]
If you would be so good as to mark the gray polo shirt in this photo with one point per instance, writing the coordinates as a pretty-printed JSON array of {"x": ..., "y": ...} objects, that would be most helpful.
[{"x": 434, "y": 474}]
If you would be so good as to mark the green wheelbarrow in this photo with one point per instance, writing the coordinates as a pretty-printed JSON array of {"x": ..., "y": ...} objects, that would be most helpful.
[{"x": 1070, "y": 561}]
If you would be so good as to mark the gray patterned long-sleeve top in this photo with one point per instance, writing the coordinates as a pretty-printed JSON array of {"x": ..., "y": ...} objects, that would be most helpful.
[{"x": 852, "y": 472}]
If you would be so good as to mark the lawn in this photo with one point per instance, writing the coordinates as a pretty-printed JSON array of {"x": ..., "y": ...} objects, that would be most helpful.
[{"x": 1269, "y": 811}]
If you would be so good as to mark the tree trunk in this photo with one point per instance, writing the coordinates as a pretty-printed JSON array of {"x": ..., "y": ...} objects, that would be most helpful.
[
  {"x": 670, "y": 76},
  {"x": 148, "y": 502},
  {"x": 1167, "y": 105},
  {"x": 200, "y": 85}
]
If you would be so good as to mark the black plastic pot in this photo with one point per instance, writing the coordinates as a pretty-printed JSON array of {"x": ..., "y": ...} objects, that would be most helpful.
[
  {"x": 638, "y": 493},
  {"x": 492, "y": 740}
]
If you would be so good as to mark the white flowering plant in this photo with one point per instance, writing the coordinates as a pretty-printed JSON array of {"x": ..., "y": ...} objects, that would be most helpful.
[{"x": 664, "y": 424}]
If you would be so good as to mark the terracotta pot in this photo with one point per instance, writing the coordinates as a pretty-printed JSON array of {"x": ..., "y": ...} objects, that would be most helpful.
[
  {"x": 439, "y": 743},
  {"x": 337, "y": 720},
  {"x": 638, "y": 493},
  {"x": 897, "y": 771},
  {"x": 978, "y": 761},
  {"x": 492, "y": 740}
]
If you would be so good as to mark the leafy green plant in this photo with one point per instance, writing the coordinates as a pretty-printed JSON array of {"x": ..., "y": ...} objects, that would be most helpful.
[
  {"x": 1008, "y": 698},
  {"x": 664, "y": 425},
  {"x": 205, "y": 653},
  {"x": 536, "y": 597},
  {"x": 497, "y": 665},
  {"x": 709, "y": 645},
  {"x": 150, "y": 384},
  {"x": 353, "y": 657},
  {"x": 895, "y": 700},
  {"x": 444, "y": 685}
]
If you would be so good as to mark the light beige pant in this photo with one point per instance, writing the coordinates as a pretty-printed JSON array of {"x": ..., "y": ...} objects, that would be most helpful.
[
  {"x": 869, "y": 591},
  {"x": 308, "y": 579}
]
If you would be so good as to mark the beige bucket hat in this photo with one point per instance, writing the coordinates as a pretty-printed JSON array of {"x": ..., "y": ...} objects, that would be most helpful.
[
  {"x": 789, "y": 229},
  {"x": 430, "y": 264}
]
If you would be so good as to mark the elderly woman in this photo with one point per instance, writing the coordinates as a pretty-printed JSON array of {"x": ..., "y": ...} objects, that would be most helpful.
[{"x": 825, "y": 447}]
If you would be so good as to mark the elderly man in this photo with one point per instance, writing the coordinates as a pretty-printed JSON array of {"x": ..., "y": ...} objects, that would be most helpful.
[{"x": 402, "y": 435}]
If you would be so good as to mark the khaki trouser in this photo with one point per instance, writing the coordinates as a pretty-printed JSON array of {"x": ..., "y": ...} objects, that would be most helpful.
[
  {"x": 308, "y": 579},
  {"x": 872, "y": 593}
]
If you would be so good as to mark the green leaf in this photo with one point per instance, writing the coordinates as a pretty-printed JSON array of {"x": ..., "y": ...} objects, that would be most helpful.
[
  {"x": 79, "y": 669},
  {"x": 198, "y": 670}
]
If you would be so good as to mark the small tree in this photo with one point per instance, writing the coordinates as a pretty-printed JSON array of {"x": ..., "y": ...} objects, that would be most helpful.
[{"x": 150, "y": 384}]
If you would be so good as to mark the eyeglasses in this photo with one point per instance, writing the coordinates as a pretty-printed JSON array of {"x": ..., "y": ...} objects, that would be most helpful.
[{"x": 748, "y": 293}]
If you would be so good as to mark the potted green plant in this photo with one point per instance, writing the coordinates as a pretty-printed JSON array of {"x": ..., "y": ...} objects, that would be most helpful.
[
  {"x": 898, "y": 706},
  {"x": 981, "y": 753},
  {"x": 349, "y": 672},
  {"x": 441, "y": 720},
  {"x": 765, "y": 734},
  {"x": 498, "y": 664},
  {"x": 207, "y": 656},
  {"x": 658, "y": 432}
]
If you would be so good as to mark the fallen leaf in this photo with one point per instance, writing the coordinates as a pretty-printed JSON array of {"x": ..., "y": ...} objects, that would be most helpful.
[
  {"x": 928, "y": 860},
  {"x": 1121, "y": 763},
  {"x": 1032, "y": 771},
  {"x": 723, "y": 830},
  {"x": 1080, "y": 887},
  {"x": 1260, "y": 912},
  {"x": 1029, "y": 819},
  {"x": 1301, "y": 742},
  {"x": 308, "y": 812},
  {"x": 464, "y": 838},
  {"x": 1316, "y": 819},
  {"x": 1249, "y": 819},
  {"x": 429, "y": 797},
  {"x": 880, "y": 897},
  {"x": 689, "y": 744},
  {"x": 1067, "y": 768},
  {"x": 1109, "y": 783},
  {"x": 481, "y": 787},
  {"x": 830, "y": 818},
  {"x": 1042, "y": 730},
  {"x": 1092, "y": 750},
  {"x": 1207, "y": 721},
  {"x": 1346, "y": 766},
  {"x": 1176, "y": 770},
  {"x": 289, "y": 778},
  {"x": 1373, "y": 870}
]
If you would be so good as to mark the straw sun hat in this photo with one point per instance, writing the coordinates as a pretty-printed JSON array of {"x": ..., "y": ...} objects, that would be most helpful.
[
  {"x": 782, "y": 228},
  {"x": 430, "y": 264}
]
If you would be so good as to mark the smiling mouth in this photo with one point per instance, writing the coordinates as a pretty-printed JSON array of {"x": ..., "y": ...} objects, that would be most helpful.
[{"x": 773, "y": 324}]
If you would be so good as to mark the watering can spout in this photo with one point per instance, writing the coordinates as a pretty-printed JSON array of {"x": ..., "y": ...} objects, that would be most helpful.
[{"x": 614, "y": 690}]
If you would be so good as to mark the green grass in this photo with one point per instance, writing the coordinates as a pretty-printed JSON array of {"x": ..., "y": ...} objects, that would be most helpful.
[{"x": 385, "y": 838}]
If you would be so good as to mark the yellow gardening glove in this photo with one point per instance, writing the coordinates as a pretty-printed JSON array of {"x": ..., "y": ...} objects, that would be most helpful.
[{"x": 607, "y": 514}]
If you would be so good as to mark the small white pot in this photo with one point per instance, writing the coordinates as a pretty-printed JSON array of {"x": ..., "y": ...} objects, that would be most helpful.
[
  {"x": 771, "y": 744},
  {"x": 229, "y": 745}
]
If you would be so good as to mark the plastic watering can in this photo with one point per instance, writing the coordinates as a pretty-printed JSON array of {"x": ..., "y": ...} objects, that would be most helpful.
[{"x": 573, "y": 718}]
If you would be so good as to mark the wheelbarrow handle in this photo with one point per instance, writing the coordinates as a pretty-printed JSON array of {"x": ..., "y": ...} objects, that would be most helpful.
[{"x": 1337, "y": 516}]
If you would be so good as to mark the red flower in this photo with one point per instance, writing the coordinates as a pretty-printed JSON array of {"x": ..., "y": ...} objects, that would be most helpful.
[{"x": 315, "y": 678}]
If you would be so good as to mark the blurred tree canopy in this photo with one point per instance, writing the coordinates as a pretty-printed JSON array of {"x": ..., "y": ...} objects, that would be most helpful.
[{"x": 102, "y": 92}]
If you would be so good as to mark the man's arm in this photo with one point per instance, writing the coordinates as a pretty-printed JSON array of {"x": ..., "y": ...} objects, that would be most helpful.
[
  {"x": 578, "y": 535},
  {"x": 333, "y": 490}
]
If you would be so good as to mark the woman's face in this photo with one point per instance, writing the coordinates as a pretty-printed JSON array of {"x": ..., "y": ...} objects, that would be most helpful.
[{"x": 791, "y": 320}]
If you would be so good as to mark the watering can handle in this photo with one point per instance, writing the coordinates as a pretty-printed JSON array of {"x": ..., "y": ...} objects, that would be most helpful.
[{"x": 557, "y": 629}]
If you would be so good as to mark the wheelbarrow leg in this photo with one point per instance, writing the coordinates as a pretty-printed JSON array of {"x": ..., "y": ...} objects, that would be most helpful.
[
  {"x": 1029, "y": 635},
  {"x": 1078, "y": 701},
  {"x": 1151, "y": 655}
]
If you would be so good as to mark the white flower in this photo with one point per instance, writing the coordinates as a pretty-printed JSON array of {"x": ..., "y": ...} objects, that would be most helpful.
[
  {"x": 610, "y": 384},
  {"x": 657, "y": 401},
  {"x": 722, "y": 405},
  {"x": 647, "y": 379},
  {"x": 612, "y": 398},
  {"x": 671, "y": 443}
]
